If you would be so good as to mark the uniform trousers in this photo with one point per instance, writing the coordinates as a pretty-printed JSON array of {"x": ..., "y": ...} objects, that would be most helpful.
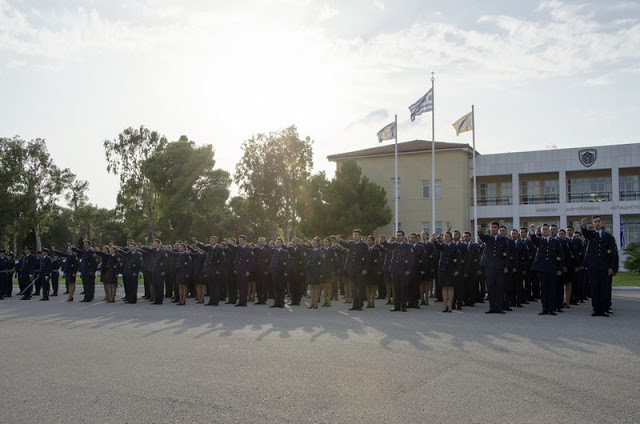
[
  {"x": 358, "y": 289},
  {"x": 158, "y": 286},
  {"x": 400, "y": 284},
  {"x": 213, "y": 286},
  {"x": 495, "y": 288},
  {"x": 599, "y": 281},
  {"x": 89, "y": 285},
  {"x": 548, "y": 289}
]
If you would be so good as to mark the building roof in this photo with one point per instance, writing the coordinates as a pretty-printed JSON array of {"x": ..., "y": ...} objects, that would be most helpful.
[{"x": 415, "y": 146}]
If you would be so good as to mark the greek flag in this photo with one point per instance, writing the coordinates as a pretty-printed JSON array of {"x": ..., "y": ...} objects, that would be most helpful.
[
  {"x": 423, "y": 104},
  {"x": 387, "y": 133},
  {"x": 622, "y": 240}
]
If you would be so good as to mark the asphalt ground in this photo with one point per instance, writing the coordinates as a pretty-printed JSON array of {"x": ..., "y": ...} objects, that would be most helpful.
[{"x": 72, "y": 362}]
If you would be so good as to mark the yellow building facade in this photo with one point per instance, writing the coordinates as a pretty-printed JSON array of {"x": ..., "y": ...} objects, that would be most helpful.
[{"x": 451, "y": 187}]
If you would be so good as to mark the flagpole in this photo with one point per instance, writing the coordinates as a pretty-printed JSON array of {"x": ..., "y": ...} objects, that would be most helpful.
[
  {"x": 433, "y": 158},
  {"x": 475, "y": 188},
  {"x": 396, "y": 180}
]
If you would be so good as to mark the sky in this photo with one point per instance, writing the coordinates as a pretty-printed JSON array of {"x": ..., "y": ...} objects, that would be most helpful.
[{"x": 539, "y": 73}]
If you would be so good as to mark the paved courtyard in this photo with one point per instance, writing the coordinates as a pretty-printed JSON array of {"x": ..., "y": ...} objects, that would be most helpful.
[{"x": 101, "y": 363}]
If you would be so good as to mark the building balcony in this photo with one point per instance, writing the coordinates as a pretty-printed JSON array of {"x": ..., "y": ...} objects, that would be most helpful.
[
  {"x": 547, "y": 199},
  {"x": 493, "y": 201},
  {"x": 629, "y": 195},
  {"x": 601, "y": 196}
]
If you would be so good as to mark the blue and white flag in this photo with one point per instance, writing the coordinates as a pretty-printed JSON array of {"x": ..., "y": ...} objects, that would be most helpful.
[
  {"x": 424, "y": 104},
  {"x": 622, "y": 240}
]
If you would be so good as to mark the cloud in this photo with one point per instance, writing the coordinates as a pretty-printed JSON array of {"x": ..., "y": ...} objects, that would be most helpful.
[{"x": 374, "y": 117}]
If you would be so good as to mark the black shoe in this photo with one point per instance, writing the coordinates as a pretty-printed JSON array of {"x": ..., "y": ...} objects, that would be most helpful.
[
  {"x": 552, "y": 313},
  {"x": 524, "y": 302},
  {"x": 560, "y": 310},
  {"x": 25, "y": 298},
  {"x": 500, "y": 312},
  {"x": 395, "y": 310},
  {"x": 66, "y": 292},
  {"x": 69, "y": 300},
  {"x": 404, "y": 309},
  {"x": 507, "y": 309},
  {"x": 543, "y": 313},
  {"x": 44, "y": 298},
  {"x": 229, "y": 303},
  {"x": 490, "y": 311},
  {"x": 54, "y": 294},
  {"x": 518, "y": 305}
]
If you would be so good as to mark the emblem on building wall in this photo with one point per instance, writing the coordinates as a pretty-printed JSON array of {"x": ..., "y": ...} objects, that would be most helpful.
[{"x": 588, "y": 156}]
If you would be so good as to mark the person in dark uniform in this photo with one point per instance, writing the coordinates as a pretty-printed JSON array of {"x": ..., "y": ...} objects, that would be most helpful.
[
  {"x": 315, "y": 270},
  {"x": 279, "y": 269},
  {"x": 386, "y": 268},
  {"x": 199, "y": 257},
  {"x": 88, "y": 268},
  {"x": 159, "y": 258},
  {"x": 263, "y": 260},
  {"x": 357, "y": 263},
  {"x": 460, "y": 280},
  {"x": 523, "y": 268},
  {"x": 46, "y": 267},
  {"x": 495, "y": 261},
  {"x": 70, "y": 269},
  {"x": 420, "y": 266},
  {"x": 213, "y": 268},
  {"x": 109, "y": 277},
  {"x": 449, "y": 267},
  {"x": 338, "y": 286},
  {"x": 374, "y": 271},
  {"x": 402, "y": 258},
  {"x": 183, "y": 265},
  {"x": 298, "y": 253},
  {"x": 577, "y": 288},
  {"x": 570, "y": 267},
  {"x": 512, "y": 255},
  {"x": 548, "y": 265},
  {"x": 231, "y": 286},
  {"x": 426, "y": 280},
  {"x": 55, "y": 273},
  {"x": 147, "y": 261},
  {"x": 601, "y": 264},
  {"x": 6, "y": 267},
  {"x": 331, "y": 257},
  {"x": 528, "y": 275},
  {"x": 131, "y": 266},
  {"x": 471, "y": 265},
  {"x": 244, "y": 266}
]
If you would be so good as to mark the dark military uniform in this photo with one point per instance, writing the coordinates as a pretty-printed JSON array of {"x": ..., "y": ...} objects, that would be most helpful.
[
  {"x": 357, "y": 261},
  {"x": 402, "y": 261},
  {"x": 280, "y": 265},
  {"x": 549, "y": 260},
  {"x": 245, "y": 263},
  {"x": 213, "y": 268},
  {"x": 159, "y": 263},
  {"x": 601, "y": 255},
  {"x": 88, "y": 267},
  {"x": 494, "y": 260}
]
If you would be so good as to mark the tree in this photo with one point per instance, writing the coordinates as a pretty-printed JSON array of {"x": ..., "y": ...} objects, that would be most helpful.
[
  {"x": 314, "y": 206},
  {"x": 632, "y": 263},
  {"x": 271, "y": 173},
  {"x": 137, "y": 201},
  {"x": 187, "y": 185},
  {"x": 41, "y": 183},
  {"x": 355, "y": 202},
  {"x": 12, "y": 151},
  {"x": 76, "y": 197}
]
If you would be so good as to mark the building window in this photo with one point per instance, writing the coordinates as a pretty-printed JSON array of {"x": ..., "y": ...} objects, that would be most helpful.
[
  {"x": 426, "y": 226},
  {"x": 537, "y": 192},
  {"x": 425, "y": 189},
  {"x": 506, "y": 193},
  {"x": 629, "y": 187},
  {"x": 488, "y": 194},
  {"x": 551, "y": 191},
  {"x": 596, "y": 189},
  {"x": 438, "y": 226},
  {"x": 397, "y": 188},
  {"x": 631, "y": 228},
  {"x": 437, "y": 189}
]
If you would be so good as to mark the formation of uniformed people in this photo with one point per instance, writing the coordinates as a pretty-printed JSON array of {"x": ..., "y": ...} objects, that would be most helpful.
[{"x": 559, "y": 267}]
